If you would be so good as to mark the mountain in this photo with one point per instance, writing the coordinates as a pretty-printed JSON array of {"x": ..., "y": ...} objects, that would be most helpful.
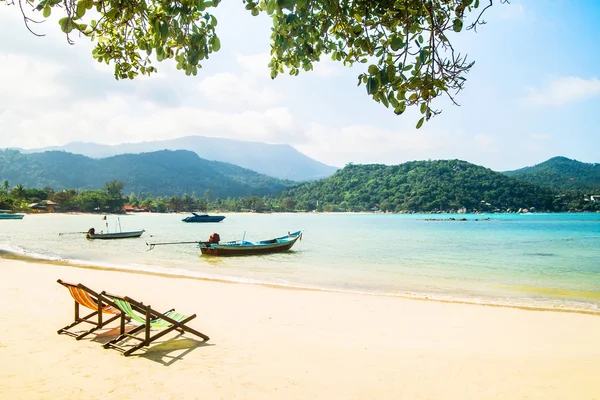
[
  {"x": 277, "y": 160},
  {"x": 161, "y": 173},
  {"x": 561, "y": 173},
  {"x": 421, "y": 186}
]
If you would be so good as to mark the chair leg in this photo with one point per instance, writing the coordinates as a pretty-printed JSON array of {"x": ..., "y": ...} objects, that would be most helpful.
[
  {"x": 100, "y": 325},
  {"x": 122, "y": 336},
  {"x": 178, "y": 326},
  {"x": 77, "y": 321}
]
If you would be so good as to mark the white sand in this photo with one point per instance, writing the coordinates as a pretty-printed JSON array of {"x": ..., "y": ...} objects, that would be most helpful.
[{"x": 289, "y": 344}]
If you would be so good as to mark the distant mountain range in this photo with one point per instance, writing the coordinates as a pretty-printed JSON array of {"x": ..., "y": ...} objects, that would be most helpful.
[
  {"x": 277, "y": 160},
  {"x": 161, "y": 173},
  {"x": 561, "y": 173}
]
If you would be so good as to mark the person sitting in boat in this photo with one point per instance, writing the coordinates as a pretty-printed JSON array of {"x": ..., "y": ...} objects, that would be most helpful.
[
  {"x": 91, "y": 232},
  {"x": 214, "y": 238}
]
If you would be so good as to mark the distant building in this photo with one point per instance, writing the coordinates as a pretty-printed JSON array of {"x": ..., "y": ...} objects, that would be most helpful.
[
  {"x": 129, "y": 208},
  {"x": 45, "y": 206},
  {"x": 595, "y": 198}
]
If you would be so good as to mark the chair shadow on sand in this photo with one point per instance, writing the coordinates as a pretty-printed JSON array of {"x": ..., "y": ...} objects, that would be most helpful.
[{"x": 165, "y": 352}]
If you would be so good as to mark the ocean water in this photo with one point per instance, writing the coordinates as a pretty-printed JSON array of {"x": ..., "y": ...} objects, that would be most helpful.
[{"x": 547, "y": 261}]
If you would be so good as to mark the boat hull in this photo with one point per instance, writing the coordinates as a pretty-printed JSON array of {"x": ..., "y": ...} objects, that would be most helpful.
[
  {"x": 242, "y": 248},
  {"x": 12, "y": 216},
  {"x": 116, "y": 235},
  {"x": 203, "y": 218}
]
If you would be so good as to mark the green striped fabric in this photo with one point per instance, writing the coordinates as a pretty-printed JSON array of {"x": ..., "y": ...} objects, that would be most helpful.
[{"x": 156, "y": 323}]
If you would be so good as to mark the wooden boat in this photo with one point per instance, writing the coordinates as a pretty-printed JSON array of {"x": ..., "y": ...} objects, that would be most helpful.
[
  {"x": 8, "y": 214},
  {"x": 115, "y": 235},
  {"x": 243, "y": 247},
  {"x": 203, "y": 218},
  {"x": 91, "y": 234}
]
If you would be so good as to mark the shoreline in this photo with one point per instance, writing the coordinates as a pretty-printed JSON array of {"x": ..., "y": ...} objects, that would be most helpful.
[
  {"x": 30, "y": 213},
  {"x": 292, "y": 344},
  {"x": 407, "y": 296}
]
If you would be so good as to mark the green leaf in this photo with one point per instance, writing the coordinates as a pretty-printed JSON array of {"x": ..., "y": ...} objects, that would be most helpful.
[
  {"x": 400, "y": 108},
  {"x": 458, "y": 25},
  {"x": 423, "y": 108},
  {"x": 373, "y": 70},
  {"x": 47, "y": 11},
  {"x": 80, "y": 10},
  {"x": 397, "y": 43},
  {"x": 66, "y": 24},
  {"x": 420, "y": 123},
  {"x": 372, "y": 85},
  {"x": 164, "y": 30},
  {"x": 385, "y": 101},
  {"x": 216, "y": 44}
]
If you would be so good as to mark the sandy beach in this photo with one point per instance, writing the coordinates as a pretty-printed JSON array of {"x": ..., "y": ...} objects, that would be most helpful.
[{"x": 289, "y": 344}]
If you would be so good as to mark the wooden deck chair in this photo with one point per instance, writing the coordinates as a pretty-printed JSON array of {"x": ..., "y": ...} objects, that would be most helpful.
[
  {"x": 147, "y": 318},
  {"x": 86, "y": 297}
]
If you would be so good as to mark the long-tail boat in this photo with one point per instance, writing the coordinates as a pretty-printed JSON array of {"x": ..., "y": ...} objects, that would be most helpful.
[{"x": 243, "y": 247}]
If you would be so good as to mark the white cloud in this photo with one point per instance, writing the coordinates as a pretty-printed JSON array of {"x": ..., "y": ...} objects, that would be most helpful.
[
  {"x": 327, "y": 67},
  {"x": 120, "y": 118},
  {"x": 369, "y": 144},
  {"x": 257, "y": 64},
  {"x": 229, "y": 88},
  {"x": 562, "y": 91},
  {"x": 23, "y": 77}
]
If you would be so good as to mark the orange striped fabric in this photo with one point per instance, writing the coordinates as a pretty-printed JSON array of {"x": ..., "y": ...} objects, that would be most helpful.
[{"x": 83, "y": 298}]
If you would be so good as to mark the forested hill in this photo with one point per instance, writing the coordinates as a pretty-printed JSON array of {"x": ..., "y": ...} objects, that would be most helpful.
[
  {"x": 277, "y": 160},
  {"x": 161, "y": 173},
  {"x": 422, "y": 186},
  {"x": 561, "y": 173}
]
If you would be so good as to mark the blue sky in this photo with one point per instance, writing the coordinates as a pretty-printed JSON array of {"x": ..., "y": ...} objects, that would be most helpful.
[{"x": 534, "y": 93}]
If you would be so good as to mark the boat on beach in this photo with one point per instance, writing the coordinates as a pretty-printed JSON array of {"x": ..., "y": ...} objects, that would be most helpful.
[
  {"x": 203, "y": 218},
  {"x": 8, "y": 214},
  {"x": 243, "y": 247}
]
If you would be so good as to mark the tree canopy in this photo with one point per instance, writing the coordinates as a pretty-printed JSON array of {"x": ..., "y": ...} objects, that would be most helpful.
[{"x": 406, "y": 43}]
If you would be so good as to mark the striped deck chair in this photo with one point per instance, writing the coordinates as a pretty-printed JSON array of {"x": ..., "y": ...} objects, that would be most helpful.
[
  {"x": 87, "y": 298},
  {"x": 147, "y": 318}
]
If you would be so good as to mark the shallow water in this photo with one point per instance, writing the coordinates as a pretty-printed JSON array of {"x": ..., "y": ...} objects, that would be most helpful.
[{"x": 534, "y": 260}]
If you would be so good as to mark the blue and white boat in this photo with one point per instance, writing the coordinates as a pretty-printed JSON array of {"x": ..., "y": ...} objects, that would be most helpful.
[{"x": 8, "y": 214}]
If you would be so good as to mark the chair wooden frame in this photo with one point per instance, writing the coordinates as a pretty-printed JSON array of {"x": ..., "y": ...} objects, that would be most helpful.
[
  {"x": 147, "y": 317},
  {"x": 88, "y": 298}
]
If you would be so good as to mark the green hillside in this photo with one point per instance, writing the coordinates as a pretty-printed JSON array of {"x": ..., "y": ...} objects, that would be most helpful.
[
  {"x": 422, "y": 186},
  {"x": 561, "y": 173},
  {"x": 160, "y": 173}
]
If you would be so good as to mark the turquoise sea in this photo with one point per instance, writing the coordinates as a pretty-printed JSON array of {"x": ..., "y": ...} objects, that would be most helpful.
[{"x": 528, "y": 260}]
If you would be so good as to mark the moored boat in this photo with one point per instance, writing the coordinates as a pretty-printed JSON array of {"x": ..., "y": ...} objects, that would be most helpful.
[
  {"x": 203, "y": 218},
  {"x": 91, "y": 233},
  {"x": 115, "y": 235},
  {"x": 243, "y": 247},
  {"x": 8, "y": 214}
]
